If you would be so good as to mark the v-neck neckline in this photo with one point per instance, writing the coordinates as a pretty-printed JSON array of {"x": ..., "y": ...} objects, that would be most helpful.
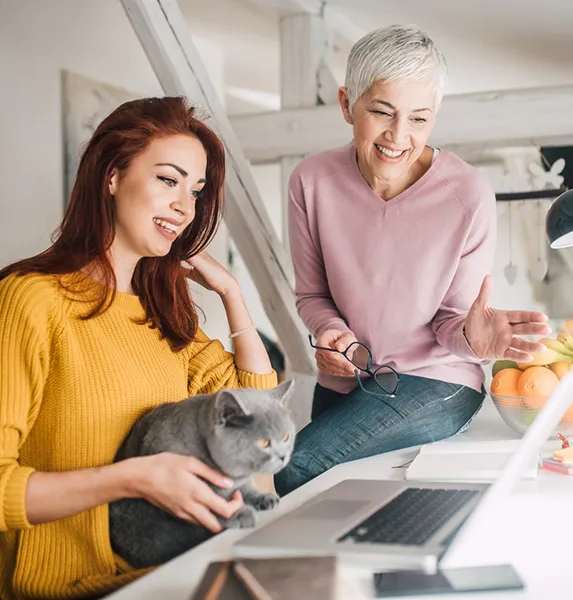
[{"x": 428, "y": 175}]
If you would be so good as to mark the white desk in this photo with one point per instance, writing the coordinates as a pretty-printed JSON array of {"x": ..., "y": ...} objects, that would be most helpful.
[{"x": 534, "y": 532}]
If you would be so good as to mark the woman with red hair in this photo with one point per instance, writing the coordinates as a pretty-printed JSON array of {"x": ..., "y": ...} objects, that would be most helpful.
[{"x": 100, "y": 328}]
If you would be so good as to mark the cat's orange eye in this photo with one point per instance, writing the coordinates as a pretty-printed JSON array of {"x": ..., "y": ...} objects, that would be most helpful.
[
  {"x": 264, "y": 443},
  {"x": 286, "y": 437}
]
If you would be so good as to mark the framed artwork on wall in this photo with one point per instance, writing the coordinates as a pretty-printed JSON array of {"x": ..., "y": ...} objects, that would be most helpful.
[{"x": 85, "y": 103}]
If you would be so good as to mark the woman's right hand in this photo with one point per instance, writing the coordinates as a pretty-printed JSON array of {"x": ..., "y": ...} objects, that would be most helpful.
[
  {"x": 334, "y": 363},
  {"x": 173, "y": 482}
]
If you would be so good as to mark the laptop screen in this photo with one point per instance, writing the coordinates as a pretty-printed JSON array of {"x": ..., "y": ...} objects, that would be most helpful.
[{"x": 536, "y": 435}]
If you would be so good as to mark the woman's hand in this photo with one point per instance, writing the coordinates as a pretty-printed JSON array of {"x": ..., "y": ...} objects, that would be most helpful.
[
  {"x": 250, "y": 353},
  {"x": 492, "y": 333},
  {"x": 206, "y": 271},
  {"x": 172, "y": 482},
  {"x": 332, "y": 362}
]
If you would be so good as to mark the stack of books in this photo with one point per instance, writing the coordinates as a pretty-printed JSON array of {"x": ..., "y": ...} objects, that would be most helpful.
[{"x": 454, "y": 461}]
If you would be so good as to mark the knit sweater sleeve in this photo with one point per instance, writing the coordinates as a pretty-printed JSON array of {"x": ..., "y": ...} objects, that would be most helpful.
[
  {"x": 313, "y": 298},
  {"x": 25, "y": 341},
  {"x": 212, "y": 368},
  {"x": 474, "y": 264}
]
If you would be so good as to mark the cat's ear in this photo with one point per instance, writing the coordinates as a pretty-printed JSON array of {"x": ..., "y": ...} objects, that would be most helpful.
[
  {"x": 283, "y": 392},
  {"x": 230, "y": 411}
]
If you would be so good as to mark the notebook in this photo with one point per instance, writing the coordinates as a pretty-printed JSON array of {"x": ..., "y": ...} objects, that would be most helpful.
[
  {"x": 303, "y": 578},
  {"x": 218, "y": 583},
  {"x": 479, "y": 462},
  {"x": 307, "y": 578}
]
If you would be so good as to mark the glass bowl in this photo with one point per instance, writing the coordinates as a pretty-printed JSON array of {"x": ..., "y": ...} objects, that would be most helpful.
[{"x": 519, "y": 412}]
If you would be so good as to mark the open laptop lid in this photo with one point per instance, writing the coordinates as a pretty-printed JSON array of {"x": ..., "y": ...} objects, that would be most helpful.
[{"x": 536, "y": 435}]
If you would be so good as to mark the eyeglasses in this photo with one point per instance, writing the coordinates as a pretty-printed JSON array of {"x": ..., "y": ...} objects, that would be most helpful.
[{"x": 385, "y": 377}]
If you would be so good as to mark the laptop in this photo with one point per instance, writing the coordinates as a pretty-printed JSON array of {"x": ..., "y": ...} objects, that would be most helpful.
[{"x": 389, "y": 524}]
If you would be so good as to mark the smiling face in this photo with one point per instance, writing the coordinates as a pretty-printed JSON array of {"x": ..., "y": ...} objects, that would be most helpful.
[
  {"x": 155, "y": 197},
  {"x": 392, "y": 122}
]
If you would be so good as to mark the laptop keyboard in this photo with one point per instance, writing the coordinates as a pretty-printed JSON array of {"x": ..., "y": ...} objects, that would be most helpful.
[{"x": 411, "y": 518}]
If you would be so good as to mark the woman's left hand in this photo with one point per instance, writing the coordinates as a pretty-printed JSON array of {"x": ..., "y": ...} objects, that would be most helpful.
[
  {"x": 206, "y": 271},
  {"x": 492, "y": 333}
]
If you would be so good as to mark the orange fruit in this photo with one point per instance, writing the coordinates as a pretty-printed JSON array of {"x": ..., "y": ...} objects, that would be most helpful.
[
  {"x": 536, "y": 384},
  {"x": 561, "y": 368},
  {"x": 505, "y": 382}
]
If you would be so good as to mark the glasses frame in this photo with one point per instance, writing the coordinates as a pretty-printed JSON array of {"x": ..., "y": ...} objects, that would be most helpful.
[{"x": 367, "y": 370}]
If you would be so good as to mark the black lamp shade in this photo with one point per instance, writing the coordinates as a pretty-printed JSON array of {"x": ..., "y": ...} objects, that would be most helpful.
[{"x": 559, "y": 221}]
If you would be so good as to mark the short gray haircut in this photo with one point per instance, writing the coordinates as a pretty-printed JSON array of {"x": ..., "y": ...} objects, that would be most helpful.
[{"x": 395, "y": 53}]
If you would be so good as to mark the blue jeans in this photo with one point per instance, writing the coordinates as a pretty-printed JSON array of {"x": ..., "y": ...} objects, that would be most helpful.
[{"x": 347, "y": 427}]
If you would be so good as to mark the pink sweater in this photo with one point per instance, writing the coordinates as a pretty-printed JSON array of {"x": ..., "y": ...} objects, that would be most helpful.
[{"x": 400, "y": 274}]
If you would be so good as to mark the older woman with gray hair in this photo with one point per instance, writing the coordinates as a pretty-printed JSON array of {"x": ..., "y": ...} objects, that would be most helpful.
[{"x": 392, "y": 241}]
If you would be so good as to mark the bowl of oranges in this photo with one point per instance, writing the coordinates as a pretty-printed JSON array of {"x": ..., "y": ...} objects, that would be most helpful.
[{"x": 520, "y": 390}]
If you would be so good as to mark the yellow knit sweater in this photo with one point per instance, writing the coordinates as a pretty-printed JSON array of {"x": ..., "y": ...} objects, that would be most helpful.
[{"x": 70, "y": 390}]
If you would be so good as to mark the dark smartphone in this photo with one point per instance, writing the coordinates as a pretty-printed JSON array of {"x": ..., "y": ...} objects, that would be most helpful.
[{"x": 472, "y": 579}]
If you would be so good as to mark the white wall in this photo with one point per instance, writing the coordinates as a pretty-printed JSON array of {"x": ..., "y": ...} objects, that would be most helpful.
[{"x": 37, "y": 40}]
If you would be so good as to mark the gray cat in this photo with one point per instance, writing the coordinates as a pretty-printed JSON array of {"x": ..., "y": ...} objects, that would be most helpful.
[{"x": 238, "y": 432}]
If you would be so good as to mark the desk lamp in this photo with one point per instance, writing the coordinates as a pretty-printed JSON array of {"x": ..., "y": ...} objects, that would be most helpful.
[{"x": 559, "y": 221}]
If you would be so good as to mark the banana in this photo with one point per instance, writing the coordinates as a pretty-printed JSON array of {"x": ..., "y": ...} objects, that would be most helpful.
[
  {"x": 566, "y": 339},
  {"x": 557, "y": 346},
  {"x": 546, "y": 357}
]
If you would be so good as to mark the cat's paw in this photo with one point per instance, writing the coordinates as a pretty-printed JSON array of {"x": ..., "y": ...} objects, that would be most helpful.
[
  {"x": 242, "y": 519},
  {"x": 267, "y": 501}
]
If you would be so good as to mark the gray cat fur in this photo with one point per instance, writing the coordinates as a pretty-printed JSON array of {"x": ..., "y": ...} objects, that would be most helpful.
[{"x": 220, "y": 429}]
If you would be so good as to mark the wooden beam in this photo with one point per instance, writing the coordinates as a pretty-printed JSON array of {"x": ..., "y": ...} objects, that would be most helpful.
[
  {"x": 523, "y": 117},
  {"x": 166, "y": 39},
  {"x": 315, "y": 37},
  {"x": 306, "y": 53},
  {"x": 305, "y": 81},
  {"x": 304, "y": 50},
  {"x": 291, "y": 7},
  {"x": 305, "y": 46},
  {"x": 335, "y": 19}
]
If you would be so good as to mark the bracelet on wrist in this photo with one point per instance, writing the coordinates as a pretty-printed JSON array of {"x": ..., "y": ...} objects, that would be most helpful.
[{"x": 241, "y": 331}]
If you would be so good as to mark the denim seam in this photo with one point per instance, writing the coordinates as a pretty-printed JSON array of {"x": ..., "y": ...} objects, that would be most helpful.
[
  {"x": 454, "y": 394},
  {"x": 403, "y": 426},
  {"x": 398, "y": 431}
]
